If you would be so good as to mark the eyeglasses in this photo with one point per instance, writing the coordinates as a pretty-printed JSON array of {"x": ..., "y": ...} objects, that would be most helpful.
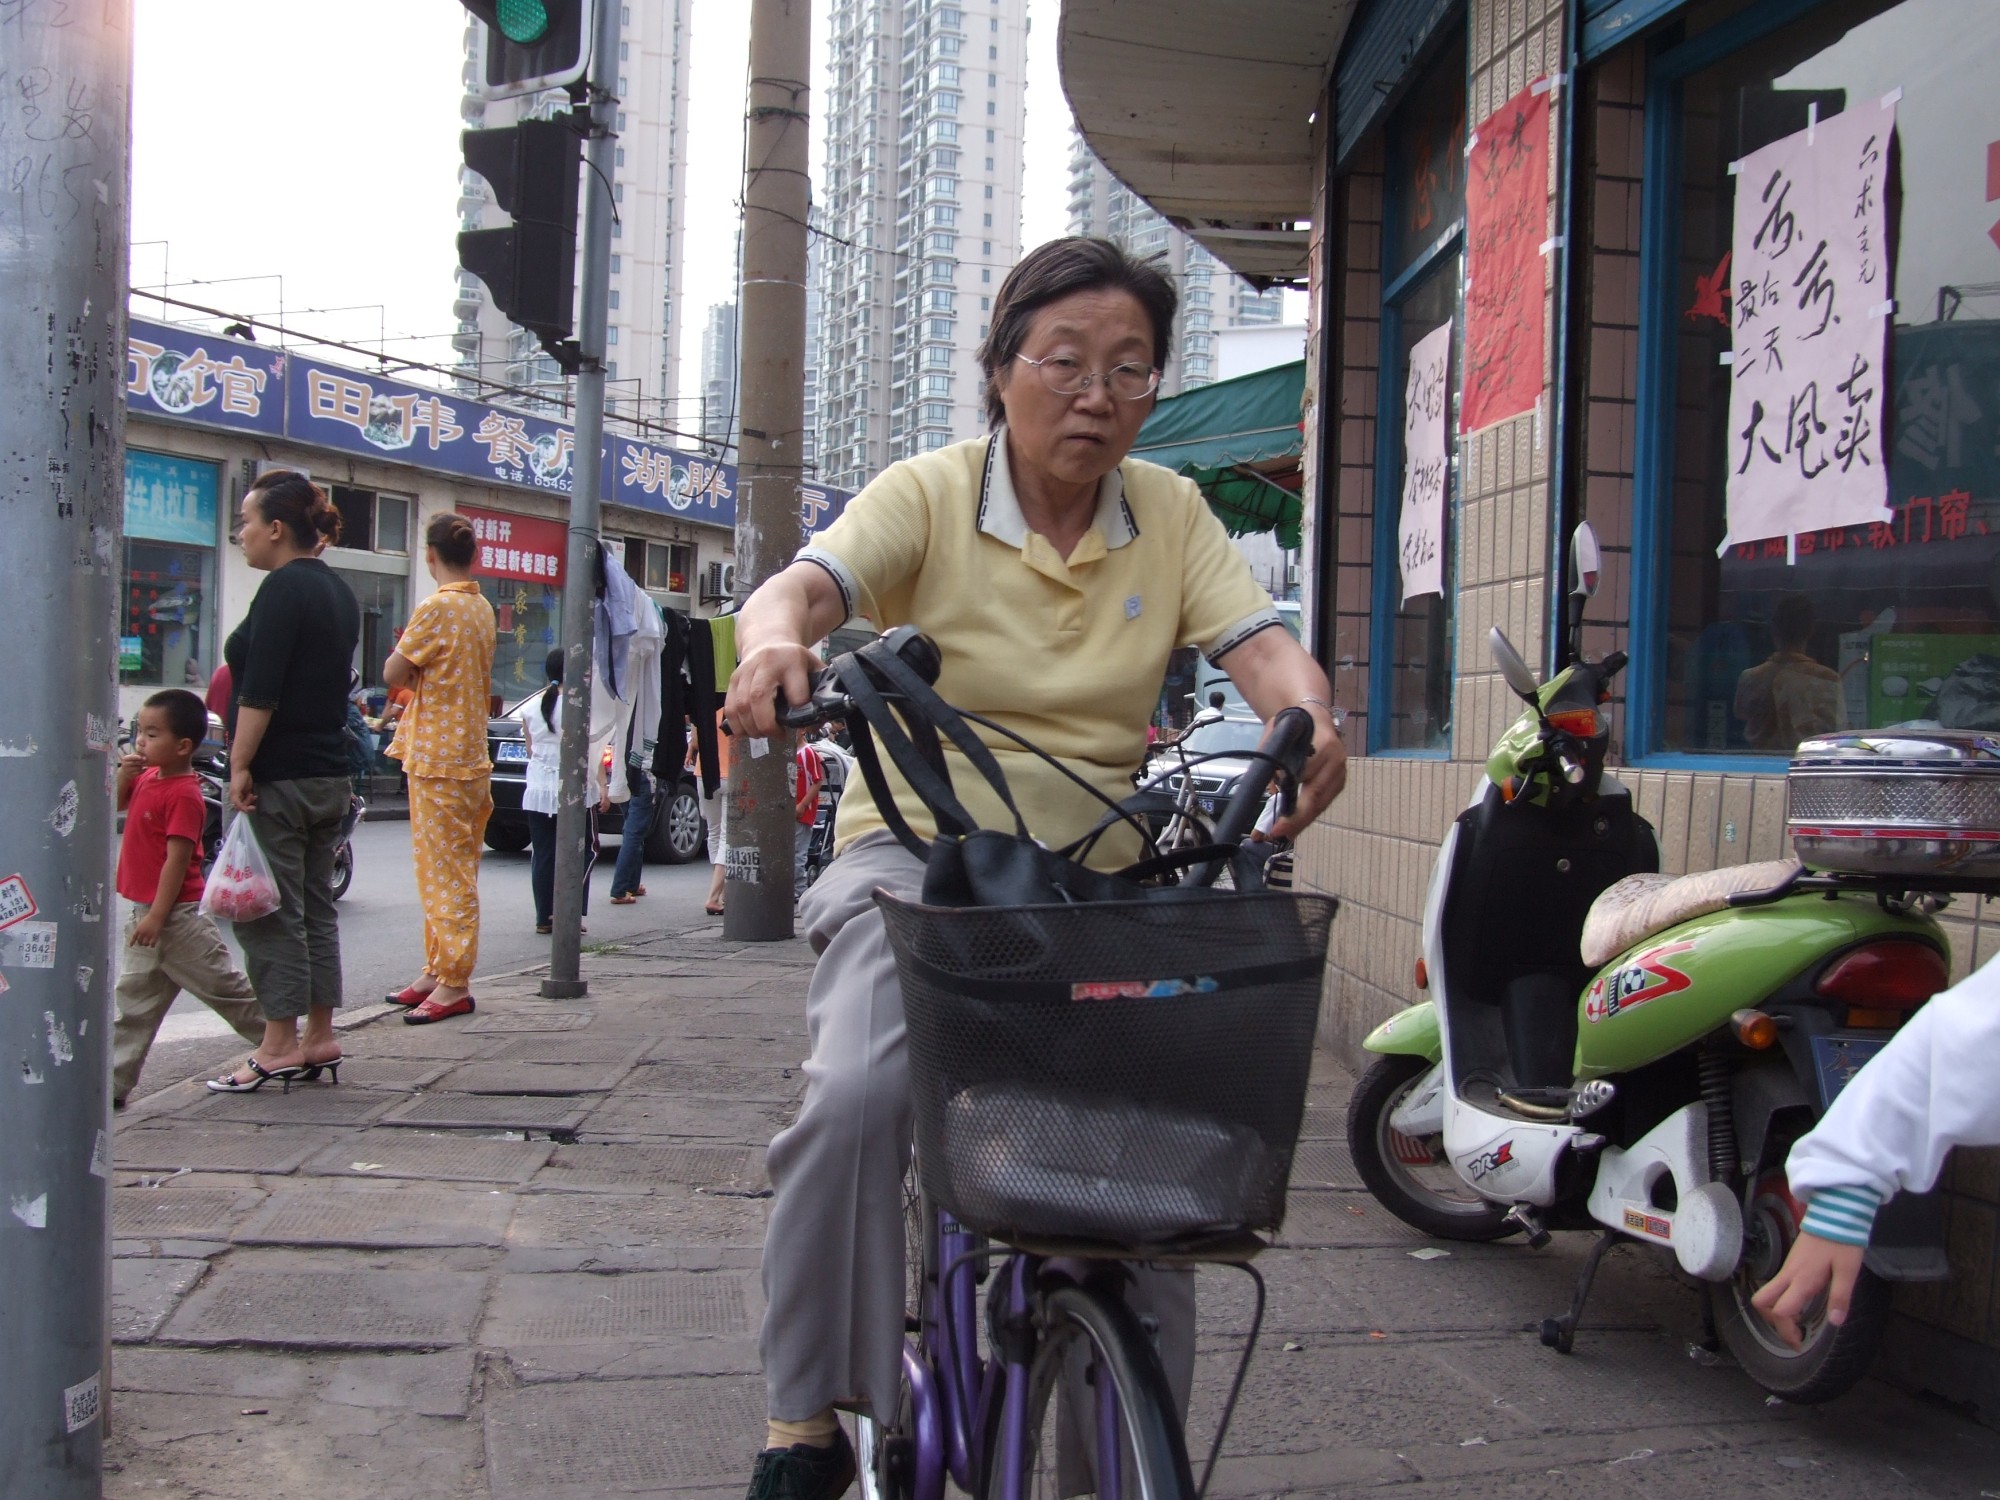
[{"x": 1066, "y": 376}]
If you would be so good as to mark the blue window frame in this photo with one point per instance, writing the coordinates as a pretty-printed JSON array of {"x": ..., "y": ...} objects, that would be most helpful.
[
  {"x": 1879, "y": 628},
  {"x": 1423, "y": 238}
]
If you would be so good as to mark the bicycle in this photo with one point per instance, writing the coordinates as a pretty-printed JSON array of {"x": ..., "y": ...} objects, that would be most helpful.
[{"x": 1047, "y": 1195}]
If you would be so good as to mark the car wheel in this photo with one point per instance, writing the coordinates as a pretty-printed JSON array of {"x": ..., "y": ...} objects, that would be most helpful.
[
  {"x": 678, "y": 834},
  {"x": 508, "y": 838}
]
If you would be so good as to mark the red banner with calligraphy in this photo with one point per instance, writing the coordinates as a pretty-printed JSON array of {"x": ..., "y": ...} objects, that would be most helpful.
[
  {"x": 518, "y": 547},
  {"x": 1506, "y": 224}
]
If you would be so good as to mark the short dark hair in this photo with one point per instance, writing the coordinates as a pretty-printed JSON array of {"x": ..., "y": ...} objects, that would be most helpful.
[
  {"x": 187, "y": 715},
  {"x": 451, "y": 537},
  {"x": 287, "y": 496},
  {"x": 1061, "y": 268}
]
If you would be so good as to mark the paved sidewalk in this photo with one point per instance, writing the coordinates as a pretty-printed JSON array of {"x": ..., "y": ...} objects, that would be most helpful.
[{"x": 516, "y": 1257}]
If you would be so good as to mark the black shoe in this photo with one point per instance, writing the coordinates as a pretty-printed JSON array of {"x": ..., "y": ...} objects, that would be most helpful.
[{"x": 803, "y": 1472}]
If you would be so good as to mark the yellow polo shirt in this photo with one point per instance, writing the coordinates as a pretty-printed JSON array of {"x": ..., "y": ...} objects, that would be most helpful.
[{"x": 1071, "y": 653}]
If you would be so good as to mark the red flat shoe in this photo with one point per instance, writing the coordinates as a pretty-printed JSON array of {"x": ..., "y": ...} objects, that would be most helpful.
[
  {"x": 409, "y": 995},
  {"x": 428, "y": 1010}
]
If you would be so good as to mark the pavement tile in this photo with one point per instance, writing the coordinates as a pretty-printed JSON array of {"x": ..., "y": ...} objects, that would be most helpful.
[
  {"x": 145, "y": 1292},
  {"x": 331, "y": 1309},
  {"x": 585, "y": 1441},
  {"x": 749, "y": 1124},
  {"x": 1349, "y": 1220},
  {"x": 240, "y": 1373},
  {"x": 582, "y": 1308},
  {"x": 181, "y": 1212},
  {"x": 517, "y": 1018},
  {"x": 621, "y": 1165},
  {"x": 316, "y": 1213},
  {"x": 673, "y": 1215},
  {"x": 436, "y": 1385},
  {"x": 552, "y": 1113},
  {"x": 215, "y": 1148},
  {"x": 304, "y": 1104},
  {"x": 564, "y": 1047},
  {"x": 534, "y": 1078},
  {"x": 1324, "y": 1164},
  {"x": 673, "y": 1075},
  {"x": 433, "y": 1157}
]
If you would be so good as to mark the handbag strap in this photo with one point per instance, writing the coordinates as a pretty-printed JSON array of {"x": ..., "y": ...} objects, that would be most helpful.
[
  {"x": 931, "y": 709},
  {"x": 930, "y": 782}
]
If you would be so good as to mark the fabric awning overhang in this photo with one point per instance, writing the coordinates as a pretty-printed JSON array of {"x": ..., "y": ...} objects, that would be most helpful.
[
  {"x": 1240, "y": 441},
  {"x": 1204, "y": 109}
]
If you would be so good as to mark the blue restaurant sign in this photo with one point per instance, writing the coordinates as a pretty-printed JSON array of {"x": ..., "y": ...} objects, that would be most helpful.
[{"x": 185, "y": 376}]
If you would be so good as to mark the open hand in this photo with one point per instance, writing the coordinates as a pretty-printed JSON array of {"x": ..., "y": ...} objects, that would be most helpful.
[{"x": 1814, "y": 1267}]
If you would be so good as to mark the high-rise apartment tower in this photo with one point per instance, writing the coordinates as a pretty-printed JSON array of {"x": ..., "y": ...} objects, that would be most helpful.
[
  {"x": 1212, "y": 296},
  {"x": 920, "y": 216}
]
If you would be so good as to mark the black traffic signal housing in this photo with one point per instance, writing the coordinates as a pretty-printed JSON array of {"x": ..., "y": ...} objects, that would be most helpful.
[
  {"x": 530, "y": 265},
  {"x": 535, "y": 44}
]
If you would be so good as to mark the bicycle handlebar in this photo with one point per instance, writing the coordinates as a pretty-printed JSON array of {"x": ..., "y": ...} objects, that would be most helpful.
[{"x": 1288, "y": 744}]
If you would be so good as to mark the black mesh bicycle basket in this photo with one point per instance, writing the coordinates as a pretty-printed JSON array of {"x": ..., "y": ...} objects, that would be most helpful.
[{"x": 1131, "y": 1073}]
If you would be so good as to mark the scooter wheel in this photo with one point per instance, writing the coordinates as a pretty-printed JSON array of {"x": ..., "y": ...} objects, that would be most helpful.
[
  {"x": 1557, "y": 1337},
  {"x": 1411, "y": 1177}
]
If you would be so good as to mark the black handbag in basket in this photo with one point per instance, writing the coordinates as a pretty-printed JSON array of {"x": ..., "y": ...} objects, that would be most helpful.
[{"x": 966, "y": 865}]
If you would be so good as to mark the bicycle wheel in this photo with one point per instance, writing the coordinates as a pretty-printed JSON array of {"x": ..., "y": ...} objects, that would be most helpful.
[
  {"x": 884, "y": 1449},
  {"x": 1092, "y": 1350}
]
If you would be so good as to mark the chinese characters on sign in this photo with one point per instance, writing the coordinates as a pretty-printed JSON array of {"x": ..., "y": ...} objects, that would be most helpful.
[
  {"x": 1426, "y": 466},
  {"x": 1809, "y": 319},
  {"x": 518, "y": 547},
  {"x": 1506, "y": 224}
]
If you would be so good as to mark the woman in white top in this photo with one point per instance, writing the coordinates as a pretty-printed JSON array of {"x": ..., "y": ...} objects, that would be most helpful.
[{"x": 541, "y": 726}]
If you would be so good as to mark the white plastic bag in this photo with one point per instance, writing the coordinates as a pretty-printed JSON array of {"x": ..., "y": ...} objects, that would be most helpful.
[{"x": 240, "y": 887}]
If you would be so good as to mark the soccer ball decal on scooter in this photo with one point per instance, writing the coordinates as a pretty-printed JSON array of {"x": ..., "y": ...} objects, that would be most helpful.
[{"x": 1650, "y": 976}]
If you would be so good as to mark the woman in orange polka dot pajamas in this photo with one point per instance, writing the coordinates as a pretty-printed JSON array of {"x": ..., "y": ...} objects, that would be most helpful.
[{"x": 445, "y": 654}]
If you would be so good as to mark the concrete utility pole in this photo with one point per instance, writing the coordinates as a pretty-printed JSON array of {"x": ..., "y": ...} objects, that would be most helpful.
[
  {"x": 565, "y": 979},
  {"x": 62, "y": 513},
  {"x": 770, "y": 458}
]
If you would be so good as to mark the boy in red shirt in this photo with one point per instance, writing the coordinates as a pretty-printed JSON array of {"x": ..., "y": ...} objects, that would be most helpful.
[{"x": 169, "y": 945}]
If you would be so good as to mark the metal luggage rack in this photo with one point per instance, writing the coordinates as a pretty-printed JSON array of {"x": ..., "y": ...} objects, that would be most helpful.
[{"x": 1890, "y": 890}]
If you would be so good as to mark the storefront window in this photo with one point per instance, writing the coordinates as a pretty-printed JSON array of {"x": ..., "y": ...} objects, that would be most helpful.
[
  {"x": 166, "y": 613},
  {"x": 1422, "y": 255},
  {"x": 1863, "y": 625},
  {"x": 519, "y": 568},
  {"x": 384, "y": 610}
]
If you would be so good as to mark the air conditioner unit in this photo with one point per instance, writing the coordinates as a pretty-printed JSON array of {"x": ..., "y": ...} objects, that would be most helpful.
[{"x": 719, "y": 582}]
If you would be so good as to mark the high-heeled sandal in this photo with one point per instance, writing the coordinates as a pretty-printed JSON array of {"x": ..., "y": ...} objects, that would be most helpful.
[
  {"x": 311, "y": 1071},
  {"x": 229, "y": 1083}
]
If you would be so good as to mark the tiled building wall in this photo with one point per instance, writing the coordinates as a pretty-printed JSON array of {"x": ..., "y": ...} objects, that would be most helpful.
[{"x": 1707, "y": 821}]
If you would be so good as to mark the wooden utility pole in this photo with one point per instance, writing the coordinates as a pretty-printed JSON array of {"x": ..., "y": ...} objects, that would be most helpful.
[{"x": 771, "y": 456}]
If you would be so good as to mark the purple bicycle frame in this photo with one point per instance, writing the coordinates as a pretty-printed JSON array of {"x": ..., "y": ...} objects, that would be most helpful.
[{"x": 952, "y": 1389}]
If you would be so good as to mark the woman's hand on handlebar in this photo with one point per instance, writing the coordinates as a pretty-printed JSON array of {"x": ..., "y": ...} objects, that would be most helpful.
[
  {"x": 763, "y": 674},
  {"x": 1325, "y": 775}
]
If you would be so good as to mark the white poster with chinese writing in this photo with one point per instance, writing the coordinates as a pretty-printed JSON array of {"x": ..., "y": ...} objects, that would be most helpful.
[
  {"x": 1426, "y": 466},
  {"x": 1809, "y": 325}
]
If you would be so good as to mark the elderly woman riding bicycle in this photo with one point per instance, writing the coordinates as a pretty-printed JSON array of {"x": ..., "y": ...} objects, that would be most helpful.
[{"x": 1055, "y": 575}]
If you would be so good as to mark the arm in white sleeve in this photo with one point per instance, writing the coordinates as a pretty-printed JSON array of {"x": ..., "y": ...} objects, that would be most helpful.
[{"x": 1931, "y": 1088}]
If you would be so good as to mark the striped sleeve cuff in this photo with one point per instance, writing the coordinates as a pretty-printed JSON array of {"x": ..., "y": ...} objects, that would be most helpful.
[
  {"x": 1842, "y": 1214},
  {"x": 843, "y": 578}
]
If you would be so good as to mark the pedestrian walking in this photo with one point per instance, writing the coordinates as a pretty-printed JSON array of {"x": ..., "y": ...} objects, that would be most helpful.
[
  {"x": 713, "y": 807},
  {"x": 170, "y": 945},
  {"x": 445, "y": 657},
  {"x": 807, "y": 774},
  {"x": 288, "y": 663},
  {"x": 541, "y": 794}
]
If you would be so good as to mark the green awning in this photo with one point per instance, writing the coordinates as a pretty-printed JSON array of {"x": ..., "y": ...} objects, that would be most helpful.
[{"x": 1239, "y": 440}]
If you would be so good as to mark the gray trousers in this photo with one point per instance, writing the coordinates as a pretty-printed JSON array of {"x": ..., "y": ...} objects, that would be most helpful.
[
  {"x": 833, "y": 1254},
  {"x": 293, "y": 955}
]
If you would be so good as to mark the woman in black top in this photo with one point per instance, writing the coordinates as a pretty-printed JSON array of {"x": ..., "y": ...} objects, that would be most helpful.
[{"x": 288, "y": 770}]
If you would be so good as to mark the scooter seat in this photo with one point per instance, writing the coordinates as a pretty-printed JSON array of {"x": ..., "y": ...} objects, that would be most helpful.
[{"x": 1640, "y": 905}]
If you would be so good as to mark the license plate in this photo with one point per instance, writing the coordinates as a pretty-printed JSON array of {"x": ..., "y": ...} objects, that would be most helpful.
[
  {"x": 1838, "y": 1058},
  {"x": 512, "y": 750},
  {"x": 1209, "y": 804}
]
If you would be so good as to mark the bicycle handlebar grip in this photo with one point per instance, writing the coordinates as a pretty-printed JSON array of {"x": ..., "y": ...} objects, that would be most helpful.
[{"x": 1289, "y": 742}]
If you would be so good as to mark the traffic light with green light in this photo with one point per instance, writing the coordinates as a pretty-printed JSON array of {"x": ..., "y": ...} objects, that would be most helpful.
[{"x": 534, "y": 44}]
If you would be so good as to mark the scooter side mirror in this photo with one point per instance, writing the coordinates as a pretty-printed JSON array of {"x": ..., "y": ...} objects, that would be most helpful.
[
  {"x": 1585, "y": 563},
  {"x": 1205, "y": 717},
  {"x": 1520, "y": 677}
]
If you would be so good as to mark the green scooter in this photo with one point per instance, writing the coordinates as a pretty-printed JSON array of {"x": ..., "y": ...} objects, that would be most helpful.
[{"x": 1609, "y": 1049}]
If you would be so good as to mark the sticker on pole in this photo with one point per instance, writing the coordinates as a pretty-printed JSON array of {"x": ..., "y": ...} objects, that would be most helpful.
[
  {"x": 28, "y": 945},
  {"x": 742, "y": 865},
  {"x": 81, "y": 1404},
  {"x": 17, "y": 902}
]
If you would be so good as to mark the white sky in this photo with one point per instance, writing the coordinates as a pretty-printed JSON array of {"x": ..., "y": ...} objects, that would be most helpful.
[{"x": 288, "y": 143}]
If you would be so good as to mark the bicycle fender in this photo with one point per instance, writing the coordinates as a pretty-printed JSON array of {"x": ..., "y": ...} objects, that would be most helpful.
[{"x": 1409, "y": 1033}]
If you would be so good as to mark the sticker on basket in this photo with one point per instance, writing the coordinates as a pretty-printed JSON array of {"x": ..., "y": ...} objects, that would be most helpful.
[{"x": 1142, "y": 989}]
